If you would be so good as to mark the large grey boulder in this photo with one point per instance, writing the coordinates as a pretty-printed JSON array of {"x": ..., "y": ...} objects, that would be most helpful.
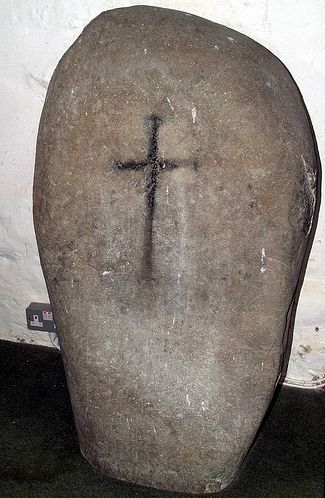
[{"x": 175, "y": 198}]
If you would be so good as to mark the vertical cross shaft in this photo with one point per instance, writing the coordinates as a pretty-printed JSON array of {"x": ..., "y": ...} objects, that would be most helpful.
[{"x": 152, "y": 163}]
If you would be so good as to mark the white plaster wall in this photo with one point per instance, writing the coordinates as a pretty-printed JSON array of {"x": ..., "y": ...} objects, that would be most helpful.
[{"x": 34, "y": 34}]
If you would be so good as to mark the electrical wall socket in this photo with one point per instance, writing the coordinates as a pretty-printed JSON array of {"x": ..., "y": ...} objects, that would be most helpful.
[{"x": 40, "y": 317}]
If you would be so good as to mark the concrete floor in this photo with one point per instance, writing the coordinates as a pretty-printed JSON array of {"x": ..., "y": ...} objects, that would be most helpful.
[{"x": 40, "y": 458}]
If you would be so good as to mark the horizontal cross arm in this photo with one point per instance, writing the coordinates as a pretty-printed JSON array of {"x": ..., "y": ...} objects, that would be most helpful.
[
  {"x": 168, "y": 165},
  {"x": 130, "y": 165}
]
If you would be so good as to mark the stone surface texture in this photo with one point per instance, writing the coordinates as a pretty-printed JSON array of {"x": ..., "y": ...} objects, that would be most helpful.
[{"x": 173, "y": 319}]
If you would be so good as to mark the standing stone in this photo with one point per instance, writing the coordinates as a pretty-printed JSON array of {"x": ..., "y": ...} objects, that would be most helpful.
[{"x": 174, "y": 202}]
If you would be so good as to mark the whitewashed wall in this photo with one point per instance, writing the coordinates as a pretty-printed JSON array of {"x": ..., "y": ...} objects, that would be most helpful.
[{"x": 34, "y": 34}]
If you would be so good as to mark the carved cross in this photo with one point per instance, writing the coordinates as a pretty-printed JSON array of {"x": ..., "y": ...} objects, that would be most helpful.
[{"x": 151, "y": 166}]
